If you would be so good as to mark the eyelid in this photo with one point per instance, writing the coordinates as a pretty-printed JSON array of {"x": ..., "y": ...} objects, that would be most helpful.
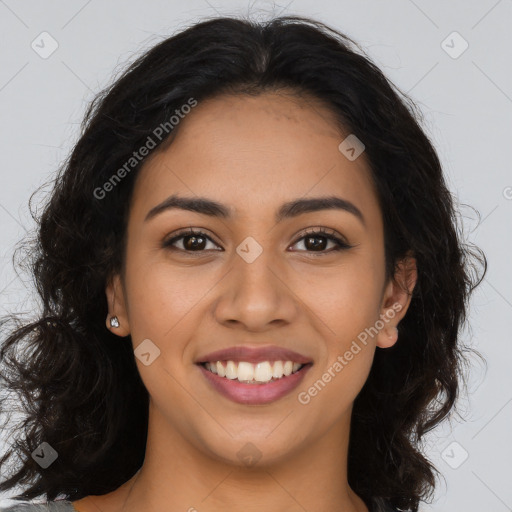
[
  {"x": 330, "y": 234},
  {"x": 340, "y": 242},
  {"x": 168, "y": 240},
  {"x": 320, "y": 230}
]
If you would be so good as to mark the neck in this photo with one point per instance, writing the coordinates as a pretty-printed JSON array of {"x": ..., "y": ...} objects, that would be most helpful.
[{"x": 178, "y": 475}]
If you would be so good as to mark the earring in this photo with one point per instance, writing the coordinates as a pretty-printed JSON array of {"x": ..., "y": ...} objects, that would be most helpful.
[{"x": 114, "y": 322}]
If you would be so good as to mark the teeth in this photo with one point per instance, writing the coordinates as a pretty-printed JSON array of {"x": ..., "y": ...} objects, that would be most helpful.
[
  {"x": 263, "y": 372},
  {"x": 231, "y": 372},
  {"x": 248, "y": 372},
  {"x": 245, "y": 371},
  {"x": 278, "y": 370}
]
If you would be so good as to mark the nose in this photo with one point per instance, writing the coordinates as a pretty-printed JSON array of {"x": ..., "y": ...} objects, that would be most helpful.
[{"x": 256, "y": 296}]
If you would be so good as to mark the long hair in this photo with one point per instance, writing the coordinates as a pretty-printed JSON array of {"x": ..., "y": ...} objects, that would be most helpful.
[{"x": 78, "y": 382}]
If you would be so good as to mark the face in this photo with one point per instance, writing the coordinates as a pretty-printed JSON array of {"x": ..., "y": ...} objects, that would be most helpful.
[{"x": 259, "y": 275}]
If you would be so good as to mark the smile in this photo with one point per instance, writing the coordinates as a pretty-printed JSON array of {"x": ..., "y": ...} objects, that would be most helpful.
[{"x": 254, "y": 384}]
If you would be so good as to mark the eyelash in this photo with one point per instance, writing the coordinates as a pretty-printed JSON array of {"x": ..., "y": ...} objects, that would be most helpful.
[{"x": 313, "y": 232}]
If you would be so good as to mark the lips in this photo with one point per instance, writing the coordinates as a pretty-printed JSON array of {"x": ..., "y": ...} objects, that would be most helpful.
[
  {"x": 255, "y": 393},
  {"x": 254, "y": 355}
]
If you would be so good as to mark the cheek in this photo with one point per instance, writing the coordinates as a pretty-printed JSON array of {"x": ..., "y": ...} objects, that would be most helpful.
[
  {"x": 337, "y": 385},
  {"x": 161, "y": 298},
  {"x": 347, "y": 302},
  {"x": 347, "y": 306},
  {"x": 162, "y": 305},
  {"x": 346, "y": 299}
]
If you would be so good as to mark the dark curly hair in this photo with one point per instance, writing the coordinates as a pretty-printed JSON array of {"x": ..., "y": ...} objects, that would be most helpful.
[{"x": 80, "y": 388}]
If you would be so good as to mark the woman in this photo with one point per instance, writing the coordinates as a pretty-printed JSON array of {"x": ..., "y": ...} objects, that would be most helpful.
[{"x": 252, "y": 286}]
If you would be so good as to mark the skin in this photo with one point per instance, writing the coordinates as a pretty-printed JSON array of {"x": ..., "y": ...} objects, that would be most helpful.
[{"x": 252, "y": 154}]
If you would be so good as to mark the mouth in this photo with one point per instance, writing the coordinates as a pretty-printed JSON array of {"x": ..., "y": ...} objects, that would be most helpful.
[
  {"x": 254, "y": 383},
  {"x": 249, "y": 373}
]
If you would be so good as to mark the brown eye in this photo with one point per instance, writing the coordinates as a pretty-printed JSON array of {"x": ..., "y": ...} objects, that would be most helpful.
[
  {"x": 197, "y": 241},
  {"x": 317, "y": 241},
  {"x": 191, "y": 241}
]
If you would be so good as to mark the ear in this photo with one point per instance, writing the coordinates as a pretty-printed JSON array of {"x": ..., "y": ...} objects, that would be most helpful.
[
  {"x": 396, "y": 299},
  {"x": 117, "y": 306}
]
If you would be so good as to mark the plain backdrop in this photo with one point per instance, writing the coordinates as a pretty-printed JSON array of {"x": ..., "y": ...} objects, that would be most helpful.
[{"x": 453, "y": 58}]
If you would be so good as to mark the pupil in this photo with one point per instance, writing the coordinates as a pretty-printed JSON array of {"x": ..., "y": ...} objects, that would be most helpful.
[
  {"x": 194, "y": 244},
  {"x": 309, "y": 239}
]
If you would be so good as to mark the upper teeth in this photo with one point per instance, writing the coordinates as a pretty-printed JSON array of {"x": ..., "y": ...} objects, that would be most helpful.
[{"x": 259, "y": 372}]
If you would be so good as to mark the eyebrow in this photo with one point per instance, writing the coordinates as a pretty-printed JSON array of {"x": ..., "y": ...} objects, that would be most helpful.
[{"x": 288, "y": 210}]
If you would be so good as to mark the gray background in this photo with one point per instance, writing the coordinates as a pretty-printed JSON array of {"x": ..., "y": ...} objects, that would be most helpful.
[{"x": 467, "y": 102}]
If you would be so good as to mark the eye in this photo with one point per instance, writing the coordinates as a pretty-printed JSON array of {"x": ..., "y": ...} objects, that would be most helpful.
[
  {"x": 190, "y": 239},
  {"x": 311, "y": 241}
]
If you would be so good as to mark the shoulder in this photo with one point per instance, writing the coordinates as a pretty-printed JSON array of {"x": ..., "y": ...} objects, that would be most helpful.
[{"x": 51, "y": 506}]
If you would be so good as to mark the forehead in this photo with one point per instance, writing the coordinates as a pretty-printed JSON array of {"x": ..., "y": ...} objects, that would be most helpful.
[{"x": 254, "y": 152}]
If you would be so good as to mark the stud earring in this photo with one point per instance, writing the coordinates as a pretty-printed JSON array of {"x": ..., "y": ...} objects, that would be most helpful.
[
  {"x": 394, "y": 334},
  {"x": 114, "y": 322}
]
